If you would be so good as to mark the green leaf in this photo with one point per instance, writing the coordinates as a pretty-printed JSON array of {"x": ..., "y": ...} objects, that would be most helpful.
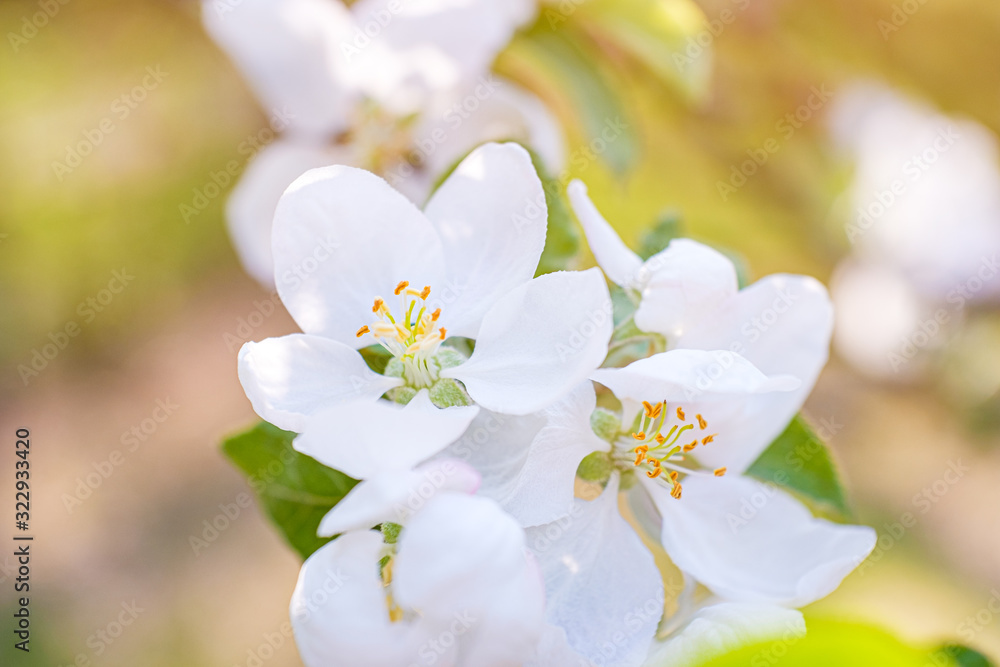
[
  {"x": 960, "y": 656},
  {"x": 659, "y": 34},
  {"x": 565, "y": 56},
  {"x": 799, "y": 461},
  {"x": 667, "y": 227},
  {"x": 831, "y": 644},
  {"x": 294, "y": 490},
  {"x": 562, "y": 241}
]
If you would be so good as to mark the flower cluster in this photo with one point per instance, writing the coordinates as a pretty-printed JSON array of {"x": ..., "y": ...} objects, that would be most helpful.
[{"x": 531, "y": 481}]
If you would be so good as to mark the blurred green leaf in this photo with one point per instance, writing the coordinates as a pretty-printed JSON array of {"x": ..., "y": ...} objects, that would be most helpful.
[
  {"x": 831, "y": 644},
  {"x": 799, "y": 461},
  {"x": 562, "y": 241},
  {"x": 960, "y": 656},
  {"x": 295, "y": 491},
  {"x": 565, "y": 55},
  {"x": 667, "y": 227},
  {"x": 660, "y": 34}
]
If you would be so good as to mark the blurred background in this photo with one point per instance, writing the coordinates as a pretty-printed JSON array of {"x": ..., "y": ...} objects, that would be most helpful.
[{"x": 127, "y": 415}]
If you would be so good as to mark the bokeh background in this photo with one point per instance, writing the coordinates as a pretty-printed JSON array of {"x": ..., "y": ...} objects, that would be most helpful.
[{"x": 124, "y": 536}]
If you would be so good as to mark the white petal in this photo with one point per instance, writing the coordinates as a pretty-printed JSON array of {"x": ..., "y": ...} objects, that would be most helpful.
[
  {"x": 283, "y": 48},
  {"x": 339, "y": 613},
  {"x": 750, "y": 542},
  {"x": 538, "y": 342},
  {"x": 365, "y": 438},
  {"x": 503, "y": 112},
  {"x": 427, "y": 46},
  {"x": 677, "y": 375},
  {"x": 619, "y": 263},
  {"x": 491, "y": 218},
  {"x": 343, "y": 237},
  {"x": 529, "y": 463},
  {"x": 725, "y": 627},
  {"x": 250, "y": 208},
  {"x": 510, "y": 629},
  {"x": 681, "y": 285},
  {"x": 455, "y": 554},
  {"x": 603, "y": 586},
  {"x": 395, "y": 495},
  {"x": 290, "y": 378},
  {"x": 782, "y": 324}
]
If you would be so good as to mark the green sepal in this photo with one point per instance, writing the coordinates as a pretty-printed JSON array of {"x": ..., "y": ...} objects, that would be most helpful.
[
  {"x": 606, "y": 424},
  {"x": 447, "y": 393},
  {"x": 595, "y": 467}
]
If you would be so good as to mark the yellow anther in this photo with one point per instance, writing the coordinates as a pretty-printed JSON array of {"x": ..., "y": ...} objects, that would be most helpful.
[
  {"x": 435, "y": 315},
  {"x": 680, "y": 413},
  {"x": 708, "y": 438},
  {"x": 719, "y": 472},
  {"x": 657, "y": 410},
  {"x": 660, "y": 438},
  {"x": 676, "y": 492},
  {"x": 641, "y": 448},
  {"x": 702, "y": 424},
  {"x": 639, "y": 456},
  {"x": 688, "y": 448},
  {"x": 673, "y": 475},
  {"x": 654, "y": 473},
  {"x": 363, "y": 330},
  {"x": 378, "y": 305},
  {"x": 641, "y": 435},
  {"x": 425, "y": 292},
  {"x": 649, "y": 408},
  {"x": 443, "y": 332},
  {"x": 403, "y": 284}
]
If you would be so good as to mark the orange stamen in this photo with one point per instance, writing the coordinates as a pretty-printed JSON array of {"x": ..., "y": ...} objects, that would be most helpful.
[
  {"x": 702, "y": 424},
  {"x": 680, "y": 413},
  {"x": 363, "y": 330},
  {"x": 443, "y": 332},
  {"x": 719, "y": 472},
  {"x": 654, "y": 473},
  {"x": 709, "y": 438},
  {"x": 676, "y": 492},
  {"x": 435, "y": 315},
  {"x": 378, "y": 305},
  {"x": 426, "y": 292},
  {"x": 403, "y": 284},
  {"x": 641, "y": 435}
]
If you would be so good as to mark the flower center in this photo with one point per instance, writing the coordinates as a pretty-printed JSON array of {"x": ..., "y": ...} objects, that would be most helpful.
[
  {"x": 383, "y": 140},
  {"x": 666, "y": 456},
  {"x": 413, "y": 337}
]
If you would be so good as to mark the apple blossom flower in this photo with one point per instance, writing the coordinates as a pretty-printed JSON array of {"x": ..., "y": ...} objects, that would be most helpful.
[
  {"x": 689, "y": 294},
  {"x": 925, "y": 229},
  {"x": 402, "y": 89},
  {"x": 359, "y": 265},
  {"x": 452, "y": 584}
]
